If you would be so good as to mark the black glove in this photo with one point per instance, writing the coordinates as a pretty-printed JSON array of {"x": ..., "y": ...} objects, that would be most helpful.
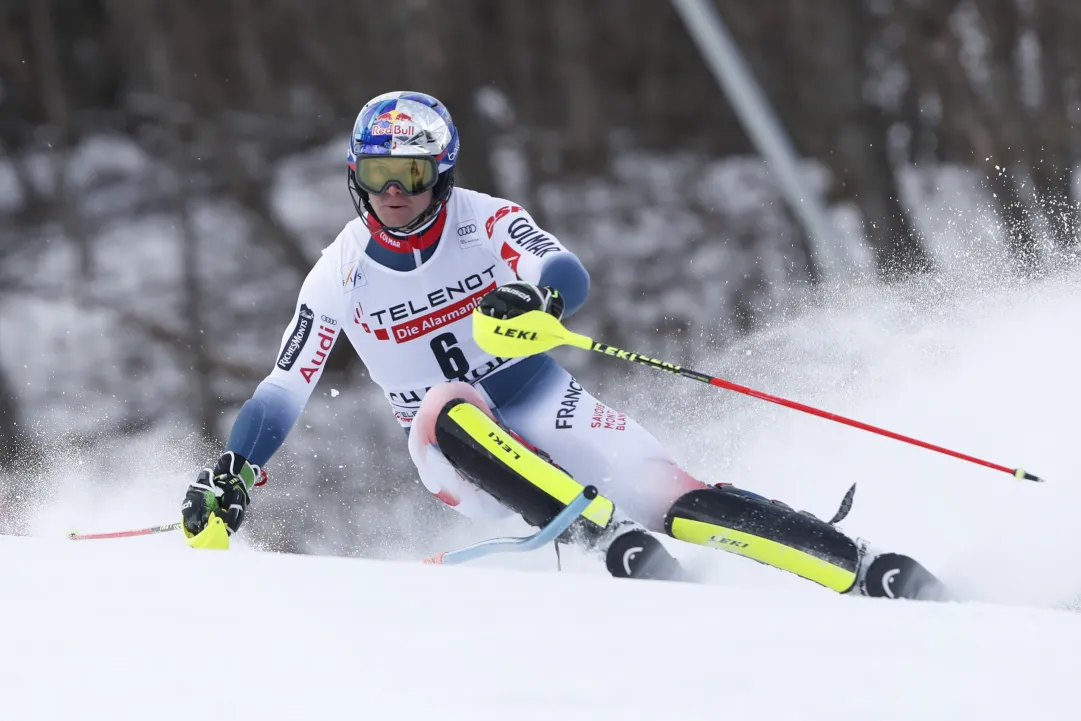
[
  {"x": 223, "y": 491},
  {"x": 514, "y": 299}
]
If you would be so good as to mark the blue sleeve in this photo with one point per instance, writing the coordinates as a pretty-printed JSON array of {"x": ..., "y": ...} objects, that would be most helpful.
[
  {"x": 263, "y": 423},
  {"x": 267, "y": 417},
  {"x": 565, "y": 273}
]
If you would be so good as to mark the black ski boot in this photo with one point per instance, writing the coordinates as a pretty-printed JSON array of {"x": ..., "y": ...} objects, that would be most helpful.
[
  {"x": 892, "y": 575},
  {"x": 637, "y": 554}
]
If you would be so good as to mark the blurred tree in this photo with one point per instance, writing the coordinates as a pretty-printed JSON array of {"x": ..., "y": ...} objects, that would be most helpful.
[
  {"x": 10, "y": 434},
  {"x": 999, "y": 111},
  {"x": 829, "y": 45},
  {"x": 1056, "y": 24},
  {"x": 599, "y": 115}
]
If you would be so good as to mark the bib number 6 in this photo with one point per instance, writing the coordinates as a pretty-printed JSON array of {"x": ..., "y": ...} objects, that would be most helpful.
[{"x": 451, "y": 359}]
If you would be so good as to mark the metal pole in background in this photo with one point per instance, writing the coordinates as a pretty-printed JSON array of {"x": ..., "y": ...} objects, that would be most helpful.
[{"x": 739, "y": 84}]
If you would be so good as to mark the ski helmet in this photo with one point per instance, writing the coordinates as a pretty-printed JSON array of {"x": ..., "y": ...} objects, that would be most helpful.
[{"x": 406, "y": 139}]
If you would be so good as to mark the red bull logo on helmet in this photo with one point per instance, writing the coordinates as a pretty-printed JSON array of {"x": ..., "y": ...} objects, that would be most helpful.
[
  {"x": 393, "y": 122},
  {"x": 394, "y": 116}
]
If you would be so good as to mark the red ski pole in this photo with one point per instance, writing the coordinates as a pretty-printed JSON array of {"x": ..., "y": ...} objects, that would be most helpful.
[
  {"x": 75, "y": 536},
  {"x": 536, "y": 332},
  {"x": 1018, "y": 473}
]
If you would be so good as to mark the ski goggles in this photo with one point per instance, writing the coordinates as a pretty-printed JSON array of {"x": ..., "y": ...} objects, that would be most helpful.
[{"x": 375, "y": 174}]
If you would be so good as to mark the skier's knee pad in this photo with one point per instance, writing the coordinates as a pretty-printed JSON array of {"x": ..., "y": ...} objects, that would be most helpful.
[
  {"x": 423, "y": 425},
  {"x": 506, "y": 468}
]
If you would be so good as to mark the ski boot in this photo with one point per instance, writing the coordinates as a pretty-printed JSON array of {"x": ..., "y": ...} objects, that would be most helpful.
[{"x": 892, "y": 575}]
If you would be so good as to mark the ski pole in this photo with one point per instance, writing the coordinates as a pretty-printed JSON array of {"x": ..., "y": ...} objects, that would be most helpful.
[
  {"x": 75, "y": 536},
  {"x": 543, "y": 537},
  {"x": 537, "y": 331}
]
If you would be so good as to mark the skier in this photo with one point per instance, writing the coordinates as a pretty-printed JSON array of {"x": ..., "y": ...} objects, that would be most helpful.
[{"x": 493, "y": 436}]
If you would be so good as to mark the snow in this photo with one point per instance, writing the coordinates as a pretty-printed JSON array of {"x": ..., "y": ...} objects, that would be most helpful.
[
  {"x": 139, "y": 627},
  {"x": 971, "y": 359},
  {"x": 988, "y": 372},
  {"x": 146, "y": 628}
]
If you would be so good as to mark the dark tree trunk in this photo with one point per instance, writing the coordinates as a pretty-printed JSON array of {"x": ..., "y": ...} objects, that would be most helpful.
[
  {"x": 459, "y": 34},
  {"x": 585, "y": 146},
  {"x": 1016, "y": 149},
  {"x": 58, "y": 114},
  {"x": 857, "y": 151},
  {"x": 933, "y": 53},
  {"x": 12, "y": 438},
  {"x": 1054, "y": 168},
  {"x": 203, "y": 404}
]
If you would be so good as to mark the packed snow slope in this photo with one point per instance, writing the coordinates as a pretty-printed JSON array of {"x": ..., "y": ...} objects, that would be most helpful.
[
  {"x": 151, "y": 629},
  {"x": 980, "y": 364},
  {"x": 146, "y": 627}
]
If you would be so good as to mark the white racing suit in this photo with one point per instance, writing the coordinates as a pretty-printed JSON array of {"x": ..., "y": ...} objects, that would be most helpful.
[
  {"x": 405, "y": 305},
  {"x": 594, "y": 443}
]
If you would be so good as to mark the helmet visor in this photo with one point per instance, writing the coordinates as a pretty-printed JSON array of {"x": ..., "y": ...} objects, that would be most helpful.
[{"x": 412, "y": 175}]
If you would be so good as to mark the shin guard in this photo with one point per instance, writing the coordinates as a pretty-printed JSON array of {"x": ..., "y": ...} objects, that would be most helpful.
[
  {"x": 770, "y": 533},
  {"x": 497, "y": 462}
]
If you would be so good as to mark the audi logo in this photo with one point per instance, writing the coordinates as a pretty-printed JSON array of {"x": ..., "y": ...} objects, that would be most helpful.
[{"x": 464, "y": 230}]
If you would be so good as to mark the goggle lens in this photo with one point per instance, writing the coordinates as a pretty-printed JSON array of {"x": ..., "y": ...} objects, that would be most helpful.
[{"x": 412, "y": 175}]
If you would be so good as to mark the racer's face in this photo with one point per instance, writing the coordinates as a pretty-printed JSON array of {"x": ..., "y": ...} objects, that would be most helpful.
[{"x": 395, "y": 209}]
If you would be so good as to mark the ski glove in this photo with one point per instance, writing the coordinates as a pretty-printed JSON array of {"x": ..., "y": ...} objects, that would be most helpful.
[
  {"x": 223, "y": 491},
  {"x": 514, "y": 299}
]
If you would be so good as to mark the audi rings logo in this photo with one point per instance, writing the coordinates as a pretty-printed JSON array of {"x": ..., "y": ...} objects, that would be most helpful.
[{"x": 467, "y": 233}]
